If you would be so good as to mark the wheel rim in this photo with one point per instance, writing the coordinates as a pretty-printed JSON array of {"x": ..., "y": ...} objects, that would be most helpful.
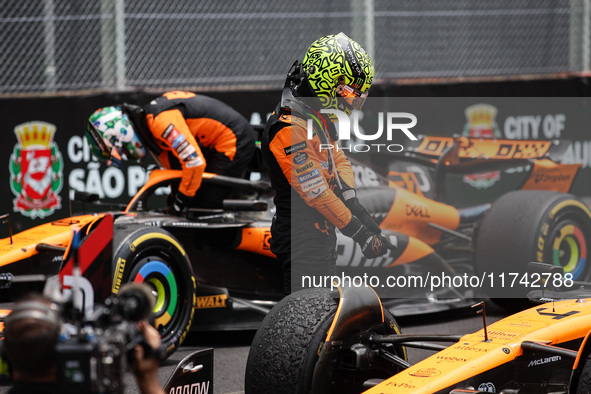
[
  {"x": 161, "y": 278},
  {"x": 570, "y": 250}
]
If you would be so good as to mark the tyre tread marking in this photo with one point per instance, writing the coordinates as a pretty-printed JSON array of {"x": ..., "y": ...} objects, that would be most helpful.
[
  {"x": 147, "y": 236},
  {"x": 570, "y": 202}
]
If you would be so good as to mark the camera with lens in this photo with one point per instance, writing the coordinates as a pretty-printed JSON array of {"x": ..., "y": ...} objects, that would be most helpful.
[
  {"x": 89, "y": 351},
  {"x": 95, "y": 353}
]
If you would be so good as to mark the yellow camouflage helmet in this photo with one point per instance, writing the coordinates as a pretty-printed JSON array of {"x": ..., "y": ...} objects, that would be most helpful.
[{"x": 339, "y": 71}]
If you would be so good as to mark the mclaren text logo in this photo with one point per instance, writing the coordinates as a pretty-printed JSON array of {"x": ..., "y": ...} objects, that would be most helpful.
[
  {"x": 542, "y": 361},
  {"x": 394, "y": 122}
]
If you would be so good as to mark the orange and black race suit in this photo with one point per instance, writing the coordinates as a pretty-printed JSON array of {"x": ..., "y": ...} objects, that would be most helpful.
[
  {"x": 305, "y": 174},
  {"x": 199, "y": 133}
]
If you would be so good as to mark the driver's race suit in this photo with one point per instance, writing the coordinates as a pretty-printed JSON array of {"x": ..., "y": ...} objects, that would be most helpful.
[
  {"x": 305, "y": 175},
  {"x": 198, "y": 133}
]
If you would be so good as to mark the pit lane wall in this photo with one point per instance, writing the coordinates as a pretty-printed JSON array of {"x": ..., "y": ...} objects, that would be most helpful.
[{"x": 44, "y": 156}]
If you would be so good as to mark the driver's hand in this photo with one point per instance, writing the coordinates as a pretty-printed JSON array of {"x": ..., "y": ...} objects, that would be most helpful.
[
  {"x": 180, "y": 202},
  {"x": 359, "y": 210},
  {"x": 372, "y": 244},
  {"x": 376, "y": 245}
]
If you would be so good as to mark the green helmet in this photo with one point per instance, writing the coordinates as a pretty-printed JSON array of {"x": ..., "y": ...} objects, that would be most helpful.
[
  {"x": 111, "y": 136},
  {"x": 337, "y": 67}
]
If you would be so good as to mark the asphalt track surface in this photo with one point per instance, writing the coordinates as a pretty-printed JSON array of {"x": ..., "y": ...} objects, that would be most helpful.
[{"x": 231, "y": 348}]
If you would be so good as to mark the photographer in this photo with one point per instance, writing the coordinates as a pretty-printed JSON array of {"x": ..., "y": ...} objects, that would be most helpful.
[
  {"x": 31, "y": 333},
  {"x": 145, "y": 368}
]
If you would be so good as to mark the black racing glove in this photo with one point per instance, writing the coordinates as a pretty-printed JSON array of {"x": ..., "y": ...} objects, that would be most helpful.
[
  {"x": 372, "y": 244},
  {"x": 350, "y": 199},
  {"x": 179, "y": 203}
]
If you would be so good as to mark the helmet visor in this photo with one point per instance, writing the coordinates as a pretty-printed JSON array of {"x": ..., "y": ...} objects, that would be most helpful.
[
  {"x": 97, "y": 144},
  {"x": 99, "y": 148},
  {"x": 355, "y": 98}
]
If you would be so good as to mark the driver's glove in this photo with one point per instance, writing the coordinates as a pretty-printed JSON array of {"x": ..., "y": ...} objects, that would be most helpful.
[
  {"x": 179, "y": 203},
  {"x": 351, "y": 201},
  {"x": 372, "y": 244}
]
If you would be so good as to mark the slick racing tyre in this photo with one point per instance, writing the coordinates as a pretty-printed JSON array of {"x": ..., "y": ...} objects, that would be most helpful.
[
  {"x": 286, "y": 347},
  {"x": 151, "y": 255},
  {"x": 526, "y": 226}
]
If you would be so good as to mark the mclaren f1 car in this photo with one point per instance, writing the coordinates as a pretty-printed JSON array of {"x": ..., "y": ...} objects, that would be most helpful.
[
  {"x": 214, "y": 268},
  {"x": 315, "y": 341}
]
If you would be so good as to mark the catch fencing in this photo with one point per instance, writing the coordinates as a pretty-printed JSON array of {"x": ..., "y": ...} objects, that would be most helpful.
[{"x": 116, "y": 45}]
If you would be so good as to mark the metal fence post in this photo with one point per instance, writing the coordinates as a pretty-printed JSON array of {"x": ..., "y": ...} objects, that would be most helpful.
[
  {"x": 580, "y": 30},
  {"x": 120, "y": 44},
  {"x": 113, "y": 44},
  {"x": 369, "y": 28},
  {"x": 586, "y": 31},
  {"x": 362, "y": 24},
  {"x": 49, "y": 71}
]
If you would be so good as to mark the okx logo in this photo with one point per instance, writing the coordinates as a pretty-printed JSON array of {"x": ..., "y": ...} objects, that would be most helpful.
[
  {"x": 36, "y": 167},
  {"x": 353, "y": 139}
]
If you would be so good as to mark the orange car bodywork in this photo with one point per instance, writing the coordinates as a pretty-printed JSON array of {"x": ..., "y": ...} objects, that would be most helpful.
[
  {"x": 411, "y": 214},
  {"x": 57, "y": 233},
  {"x": 254, "y": 239},
  {"x": 548, "y": 324},
  {"x": 545, "y": 175},
  {"x": 475, "y": 148},
  {"x": 422, "y": 218}
]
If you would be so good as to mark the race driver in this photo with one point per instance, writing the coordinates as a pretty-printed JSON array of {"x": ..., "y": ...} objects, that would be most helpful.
[
  {"x": 314, "y": 184},
  {"x": 182, "y": 130}
]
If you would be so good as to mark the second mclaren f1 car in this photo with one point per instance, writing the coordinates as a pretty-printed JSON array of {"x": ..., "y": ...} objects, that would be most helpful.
[
  {"x": 345, "y": 341},
  {"x": 484, "y": 246}
]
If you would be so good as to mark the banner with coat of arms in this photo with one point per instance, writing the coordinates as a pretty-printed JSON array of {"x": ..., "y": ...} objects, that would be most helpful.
[
  {"x": 481, "y": 124},
  {"x": 36, "y": 168}
]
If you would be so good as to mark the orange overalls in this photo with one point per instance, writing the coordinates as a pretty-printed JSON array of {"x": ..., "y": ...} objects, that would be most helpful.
[
  {"x": 304, "y": 177},
  {"x": 199, "y": 133}
]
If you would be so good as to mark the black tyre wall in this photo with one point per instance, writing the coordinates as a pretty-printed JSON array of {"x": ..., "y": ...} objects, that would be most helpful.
[
  {"x": 584, "y": 379},
  {"x": 521, "y": 227},
  {"x": 287, "y": 336},
  {"x": 286, "y": 347}
]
